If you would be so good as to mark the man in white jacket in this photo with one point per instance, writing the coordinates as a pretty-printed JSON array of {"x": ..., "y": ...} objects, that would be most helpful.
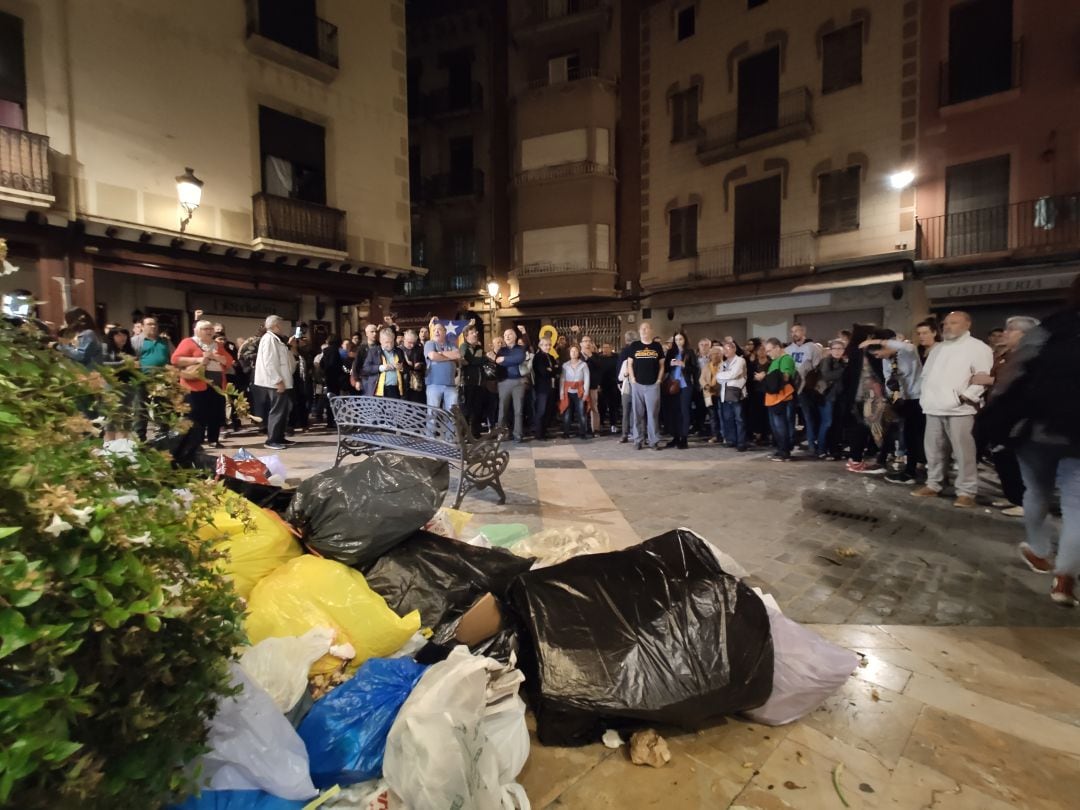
[
  {"x": 950, "y": 403},
  {"x": 274, "y": 366}
]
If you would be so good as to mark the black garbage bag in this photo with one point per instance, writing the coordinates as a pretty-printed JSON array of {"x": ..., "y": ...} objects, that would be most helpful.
[
  {"x": 658, "y": 633},
  {"x": 441, "y": 578},
  {"x": 356, "y": 513},
  {"x": 276, "y": 499}
]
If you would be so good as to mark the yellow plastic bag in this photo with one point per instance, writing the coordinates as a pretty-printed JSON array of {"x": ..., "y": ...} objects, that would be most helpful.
[
  {"x": 311, "y": 592},
  {"x": 255, "y": 552}
]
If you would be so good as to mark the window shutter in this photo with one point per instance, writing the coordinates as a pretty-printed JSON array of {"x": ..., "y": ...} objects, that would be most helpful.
[
  {"x": 841, "y": 64},
  {"x": 675, "y": 233},
  {"x": 838, "y": 200},
  {"x": 690, "y": 230}
]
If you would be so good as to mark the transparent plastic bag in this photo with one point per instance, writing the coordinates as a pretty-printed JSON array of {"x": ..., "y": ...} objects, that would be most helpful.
[{"x": 281, "y": 665}]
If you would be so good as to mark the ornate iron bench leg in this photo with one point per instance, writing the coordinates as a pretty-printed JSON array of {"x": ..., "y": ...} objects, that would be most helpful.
[
  {"x": 496, "y": 485},
  {"x": 462, "y": 489}
]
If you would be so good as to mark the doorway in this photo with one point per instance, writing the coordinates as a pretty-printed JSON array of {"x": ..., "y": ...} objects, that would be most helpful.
[
  {"x": 757, "y": 226},
  {"x": 759, "y": 94}
]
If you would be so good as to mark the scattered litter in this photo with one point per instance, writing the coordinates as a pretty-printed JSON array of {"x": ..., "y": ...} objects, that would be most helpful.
[
  {"x": 280, "y": 665},
  {"x": 394, "y": 494},
  {"x": 863, "y": 660},
  {"x": 865, "y": 788},
  {"x": 310, "y": 592},
  {"x": 748, "y": 765},
  {"x": 243, "y": 467},
  {"x": 799, "y": 756},
  {"x": 649, "y": 748},
  {"x": 874, "y": 695},
  {"x": 829, "y": 559},
  {"x": 555, "y": 546},
  {"x": 504, "y": 535},
  {"x": 326, "y": 682},
  {"x": 371, "y": 795},
  {"x": 846, "y": 552},
  {"x": 239, "y": 800},
  {"x": 612, "y": 739},
  {"x": 837, "y": 771},
  {"x": 449, "y": 523},
  {"x": 792, "y": 786}
]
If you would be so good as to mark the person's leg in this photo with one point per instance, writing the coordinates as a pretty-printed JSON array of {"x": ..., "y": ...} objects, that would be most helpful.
[
  {"x": 652, "y": 410},
  {"x": 739, "y": 411},
  {"x": 1008, "y": 470},
  {"x": 434, "y": 396},
  {"x": 1038, "y": 467},
  {"x": 278, "y": 418},
  {"x": 638, "y": 412},
  {"x": 504, "y": 401},
  {"x": 686, "y": 396},
  {"x": 517, "y": 395},
  {"x": 539, "y": 409},
  {"x": 594, "y": 410},
  {"x": 914, "y": 433},
  {"x": 140, "y": 406},
  {"x": 962, "y": 439},
  {"x": 450, "y": 397},
  {"x": 627, "y": 414},
  {"x": 1068, "y": 481},
  {"x": 727, "y": 419},
  {"x": 779, "y": 426},
  {"x": 825, "y": 443},
  {"x": 582, "y": 417},
  {"x": 215, "y": 416},
  {"x": 936, "y": 455}
]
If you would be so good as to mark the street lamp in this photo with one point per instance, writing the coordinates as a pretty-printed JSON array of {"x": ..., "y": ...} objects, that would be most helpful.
[
  {"x": 189, "y": 191},
  {"x": 901, "y": 180},
  {"x": 492, "y": 301},
  {"x": 493, "y": 289}
]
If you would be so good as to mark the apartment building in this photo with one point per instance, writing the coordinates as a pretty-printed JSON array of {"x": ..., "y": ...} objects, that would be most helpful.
[
  {"x": 292, "y": 116},
  {"x": 458, "y": 157},
  {"x": 778, "y": 138},
  {"x": 998, "y": 175}
]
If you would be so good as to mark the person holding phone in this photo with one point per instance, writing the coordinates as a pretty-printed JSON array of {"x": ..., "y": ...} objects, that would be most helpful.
[
  {"x": 383, "y": 374},
  {"x": 203, "y": 359}
]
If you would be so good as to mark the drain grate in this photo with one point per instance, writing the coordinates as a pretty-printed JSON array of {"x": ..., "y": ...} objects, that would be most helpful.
[{"x": 855, "y": 516}]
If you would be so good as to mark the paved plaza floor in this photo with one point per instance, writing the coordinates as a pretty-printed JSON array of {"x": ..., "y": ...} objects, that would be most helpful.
[{"x": 969, "y": 696}]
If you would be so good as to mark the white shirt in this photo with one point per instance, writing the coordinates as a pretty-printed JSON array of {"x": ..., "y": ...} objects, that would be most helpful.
[
  {"x": 274, "y": 363},
  {"x": 732, "y": 373},
  {"x": 945, "y": 382}
]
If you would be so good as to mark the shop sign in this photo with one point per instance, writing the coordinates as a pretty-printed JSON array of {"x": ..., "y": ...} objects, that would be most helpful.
[
  {"x": 998, "y": 286},
  {"x": 241, "y": 307}
]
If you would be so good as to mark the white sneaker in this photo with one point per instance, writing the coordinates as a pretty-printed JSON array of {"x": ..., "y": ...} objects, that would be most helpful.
[{"x": 1013, "y": 511}]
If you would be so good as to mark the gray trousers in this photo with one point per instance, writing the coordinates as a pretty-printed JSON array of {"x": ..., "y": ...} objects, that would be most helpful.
[
  {"x": 628, "y": 414},
  {"x": 646, "y": 412},
  {"x": 512, "y": 391},
  {"x": 278, "y": 419},
  {"x": 951, "y": 435}
]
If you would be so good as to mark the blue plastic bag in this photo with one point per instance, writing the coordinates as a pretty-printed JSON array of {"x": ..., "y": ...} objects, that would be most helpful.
[
  {"x": 239, "y": 800},
  {"x": 345, "y": 732}
]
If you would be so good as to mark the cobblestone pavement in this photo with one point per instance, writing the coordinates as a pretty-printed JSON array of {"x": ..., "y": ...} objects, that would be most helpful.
[{"x": 833, "y": 547}]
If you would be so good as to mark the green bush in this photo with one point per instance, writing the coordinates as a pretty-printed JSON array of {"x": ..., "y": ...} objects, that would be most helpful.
[{"x": 116, "y": 630}]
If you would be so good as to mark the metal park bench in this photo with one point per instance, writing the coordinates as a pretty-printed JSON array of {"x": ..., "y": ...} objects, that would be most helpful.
[{"x": 367, "y": 425}]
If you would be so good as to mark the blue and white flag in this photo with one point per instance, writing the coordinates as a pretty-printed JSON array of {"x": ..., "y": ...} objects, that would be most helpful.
[{"x": 455, "y": 330}]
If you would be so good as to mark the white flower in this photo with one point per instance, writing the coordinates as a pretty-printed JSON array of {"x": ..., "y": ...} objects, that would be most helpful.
[
  {"x": 143, "y": 539},
  {"x": 58, "y": 526},
  {"x": 173, "y": 590},
  {"x": 126, "y": 496},
  {"x": 82, "y": 516}
]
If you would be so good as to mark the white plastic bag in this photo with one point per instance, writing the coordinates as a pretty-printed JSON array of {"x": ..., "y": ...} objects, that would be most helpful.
[
  {"x": 438, "y": 752},
  {"x": 280, "y": 665},
  {"x": 553, "y": 546},
  {"x": 253, "y": 747},
  {"x": 806, "y": 670},
  {"x": 373, "y": 795}
]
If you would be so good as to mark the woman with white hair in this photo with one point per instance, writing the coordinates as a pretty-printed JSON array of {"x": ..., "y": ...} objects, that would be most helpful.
[{"x": 204, "y": 361}]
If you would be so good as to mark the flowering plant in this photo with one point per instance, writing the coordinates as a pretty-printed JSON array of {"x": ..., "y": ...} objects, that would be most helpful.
[{"x": 116, "y": 628}]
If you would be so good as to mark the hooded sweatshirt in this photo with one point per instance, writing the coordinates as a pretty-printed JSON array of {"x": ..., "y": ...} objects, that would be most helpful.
[{"x": 946, "y": 375}]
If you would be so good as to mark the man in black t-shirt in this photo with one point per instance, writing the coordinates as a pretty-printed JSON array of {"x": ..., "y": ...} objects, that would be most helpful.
[
  {"x": 646, "y": 374},
  {"x": 607, "y": 364}
]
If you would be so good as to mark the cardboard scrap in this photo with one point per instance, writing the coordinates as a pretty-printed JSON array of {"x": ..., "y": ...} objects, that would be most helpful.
[{"x": 649, "y": 748}]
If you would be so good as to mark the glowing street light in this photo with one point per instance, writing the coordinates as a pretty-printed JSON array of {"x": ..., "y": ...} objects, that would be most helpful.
[
  {"x": 189, "y": 191},
  {"x": 901, "y": 180}
]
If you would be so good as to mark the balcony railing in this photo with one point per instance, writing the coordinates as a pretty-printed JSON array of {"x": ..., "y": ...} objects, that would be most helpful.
[
  {"x": 564, "y": 171},
  {"x": 283, "y": 219},
  {"x": 957, "y": 85},
  {"x": 24, "y": 161},
  {"x": 573, "y": 75},
  {"x": 1045, "y": 225},
  {"x": 553, "y": 19},
  {"x": 727, "y": 135},
  {"x": 798, "y": 249},
  {"x": 320, "y": 43},
  {"x": 453, "y": 101},
  {"x": 465, "y": 281},
  {"x": 455, "y": 184},
  {"x": 560, "y": 269}
]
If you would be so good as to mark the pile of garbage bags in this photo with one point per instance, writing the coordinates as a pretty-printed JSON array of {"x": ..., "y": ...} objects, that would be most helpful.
[{"x": 385, "y": 640}]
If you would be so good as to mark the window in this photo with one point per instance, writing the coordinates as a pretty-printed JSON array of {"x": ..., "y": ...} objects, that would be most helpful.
[
  {"x": 293, "y": 155},
  {"x": 461, "y": 165},
  {"x": 683, "y": 232},
  {"x": 759, "y": 94},
  {"x": 757, "y": 226},
  {"x": 838, "y": 200},
  {"x": 461, "y": 248},
  {"x": 684, "y": 115},
  {"x": 981, "y": 53},
  {"x": 292, "y": 24},
  {"x": 977, "y": 207},
  {"x": 12, "y": 73},
  {"x": 685, "y": 23},
  {"x": 565, "y": 68},
  {"x": 416, "y": 173},
  {"x": 418, "y": 256},
  {"x": 841, "y": 65}
]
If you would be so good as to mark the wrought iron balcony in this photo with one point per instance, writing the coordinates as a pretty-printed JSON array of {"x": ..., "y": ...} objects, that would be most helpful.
[
  {"x": 317, "y": 38},
  {"x": 730, "y": 134},
  {"x": 960, "y": 83},
  {"x": 573, "y": 75},
  {"x": 1043, "y": 226},
  {"x": 283, "y": 219},
  {"x": 555, "y": 19},
  {"x": 450, "y": 101},
  {"x": 24, "y": 162},
  {"x": 466, "y": 281},
  {"x": 564, "y": 171},
  {"x": 798, "y": 249},
  {"x": 563, "y": 281},
  {"x": 451, "y": 185}
]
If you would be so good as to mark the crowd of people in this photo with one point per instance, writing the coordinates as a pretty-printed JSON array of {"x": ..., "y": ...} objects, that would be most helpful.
[{"x": 917, "y": 410}]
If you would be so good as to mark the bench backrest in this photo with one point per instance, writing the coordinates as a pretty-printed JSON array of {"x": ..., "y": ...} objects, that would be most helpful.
[{"x": 394, "y": 416}]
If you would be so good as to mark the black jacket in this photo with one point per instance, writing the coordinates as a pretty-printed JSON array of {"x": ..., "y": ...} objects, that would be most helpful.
[
  {"x": 473, "y": 362},
  {"x": 545, "y": 371},
  {"x": 691, "y": 369},
  {"x": 333, "y": 370}
]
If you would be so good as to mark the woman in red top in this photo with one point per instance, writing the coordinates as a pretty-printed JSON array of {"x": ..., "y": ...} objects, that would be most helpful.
[{"x": 213, "y": 361}]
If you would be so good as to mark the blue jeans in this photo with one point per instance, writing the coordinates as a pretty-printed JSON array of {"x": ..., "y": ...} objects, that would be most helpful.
[
  {"x": 781, "y": 419},
  {"x": 716, "y": 421},
  {"x": 441, "y": 396},
  {"x": 1041, "y": 466},
  {"x": 824, "y": 445},
  {"x": 541, "y": 397},
  {"x": 577, "y": 405},
  {"x": 811, "y": 414},
  {"x": 734, "y": 424}
]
